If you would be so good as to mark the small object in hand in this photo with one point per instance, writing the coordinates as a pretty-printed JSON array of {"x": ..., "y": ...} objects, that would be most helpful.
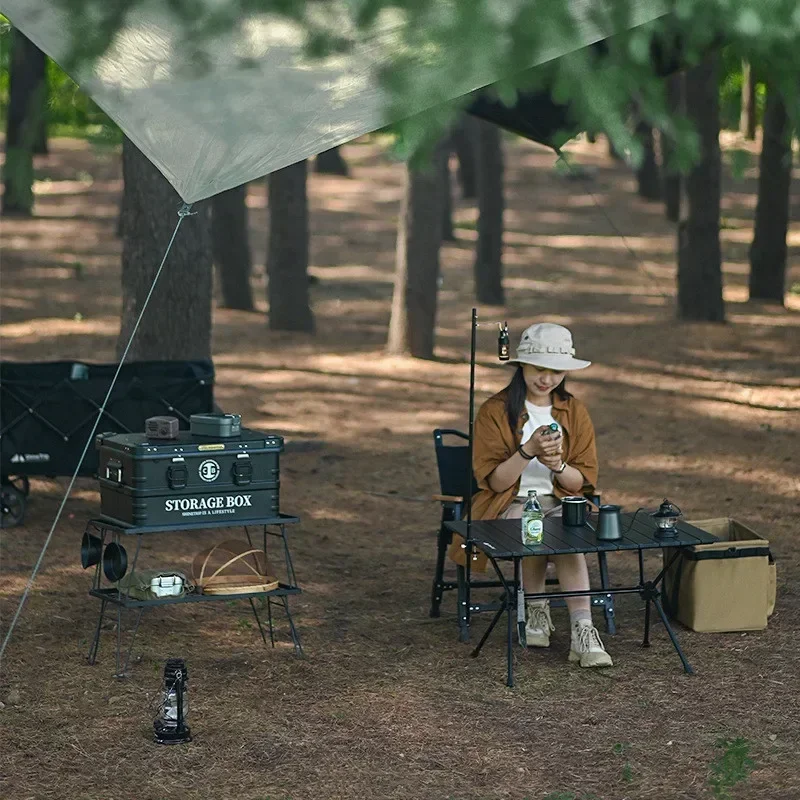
[{"x": 551, "y": 429}]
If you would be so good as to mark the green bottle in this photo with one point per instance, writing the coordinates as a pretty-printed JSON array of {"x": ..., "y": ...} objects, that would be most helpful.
[{"x": 532, "y": 520}]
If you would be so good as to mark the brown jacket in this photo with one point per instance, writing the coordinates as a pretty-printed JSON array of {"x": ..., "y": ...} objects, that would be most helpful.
[{"x": 494, "y": 442}]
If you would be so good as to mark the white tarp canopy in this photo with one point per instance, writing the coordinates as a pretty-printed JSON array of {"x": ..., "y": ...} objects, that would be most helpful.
[{"x": 212, "y": 130}]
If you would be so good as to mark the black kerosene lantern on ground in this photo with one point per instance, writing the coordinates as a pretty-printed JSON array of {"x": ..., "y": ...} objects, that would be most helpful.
[
  {"x": 170, "y": 724},
  {"x": 666, "y": 519}
]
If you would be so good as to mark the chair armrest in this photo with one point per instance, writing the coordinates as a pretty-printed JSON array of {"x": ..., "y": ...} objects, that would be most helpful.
[{"x": 447, "y": 498}]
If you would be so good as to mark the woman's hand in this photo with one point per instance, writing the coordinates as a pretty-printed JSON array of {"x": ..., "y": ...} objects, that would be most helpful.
[
  {"x": 543, "y": 443},
  {"x": 551, "y": 462}
]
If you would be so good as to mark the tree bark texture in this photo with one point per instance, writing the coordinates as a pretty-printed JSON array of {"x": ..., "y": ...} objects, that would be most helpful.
[
  {"x": 412, "y": 328},
  {"x": 177, "y": 322},
  {"x": 699, "y": 252},
  {"x": 331, "y": 162},
  {"x": 747, "y": 117},
  {"x": 488, "y": 268},
  {"x": 464, "y": 142},
  {"x": 230, "y": 246},
  {"x": 448, "y": 233},
  {"x": 287, "y": 250},
  {"x": 24, "y": 124},
  {"x": 648, "y": 177},
  {"x": 768, "y": 249},
  {"x": 671, "y": 178}
]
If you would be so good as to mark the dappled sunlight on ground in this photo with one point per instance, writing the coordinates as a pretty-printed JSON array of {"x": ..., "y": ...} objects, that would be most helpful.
[{"x": 386, "y": 703}]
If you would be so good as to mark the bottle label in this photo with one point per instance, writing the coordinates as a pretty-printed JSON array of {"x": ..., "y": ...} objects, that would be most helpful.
[{"x": 533, "y": 530}]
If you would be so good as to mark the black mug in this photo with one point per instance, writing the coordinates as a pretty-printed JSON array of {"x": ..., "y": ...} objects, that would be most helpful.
[{"x": 573, "y": 511}]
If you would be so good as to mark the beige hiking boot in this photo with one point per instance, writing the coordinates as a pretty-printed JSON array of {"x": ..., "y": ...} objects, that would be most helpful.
[
  {"x": 538, "y": 624},
  {"x": 586, "y": 646}
]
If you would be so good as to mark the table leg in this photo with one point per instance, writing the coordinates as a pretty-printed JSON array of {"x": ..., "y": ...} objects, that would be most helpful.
[
  {"x": 608, "y": 600},
  {"x": 510, "y": 626},
  {"x": 476, "y": 652},
  {"x": 462, "y": 603},
  {"x": 298, "y": 648},
  {"x": 269, "y": 620},
  {"x": 92, "y": 656},
  {"x": 646, "y": 640},
  {"x": 258, "y": 621},
  {"x": 687, "y": 667},
  {"x": 120, "y": 673}
]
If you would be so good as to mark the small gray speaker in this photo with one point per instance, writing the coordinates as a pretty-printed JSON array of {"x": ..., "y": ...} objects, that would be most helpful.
[{"x": 161, "y": 427}]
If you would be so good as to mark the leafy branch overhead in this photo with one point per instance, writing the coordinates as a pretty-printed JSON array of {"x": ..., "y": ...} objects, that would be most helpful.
[{"x": 468, "y": 41}]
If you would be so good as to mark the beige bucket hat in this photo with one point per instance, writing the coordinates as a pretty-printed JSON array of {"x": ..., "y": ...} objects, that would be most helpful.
[{"x": 550, "y": 346}]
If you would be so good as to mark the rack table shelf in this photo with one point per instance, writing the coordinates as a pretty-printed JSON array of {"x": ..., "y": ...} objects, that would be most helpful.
[{"x": 110, "y": 596}]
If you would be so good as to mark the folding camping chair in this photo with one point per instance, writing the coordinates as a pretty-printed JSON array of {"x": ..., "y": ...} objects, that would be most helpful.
[{"x": 452, "y": 461}]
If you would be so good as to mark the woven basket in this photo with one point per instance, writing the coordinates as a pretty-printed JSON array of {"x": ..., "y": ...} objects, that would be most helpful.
[{"x": 232, "y": 567}]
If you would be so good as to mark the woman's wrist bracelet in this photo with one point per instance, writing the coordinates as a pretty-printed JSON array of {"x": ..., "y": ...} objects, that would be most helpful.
[
  {"x": 562, "y": 468},
  {"x": 524, "y": 454}
]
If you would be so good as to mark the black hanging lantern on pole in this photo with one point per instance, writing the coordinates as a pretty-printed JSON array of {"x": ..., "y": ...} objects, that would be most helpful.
[
  {"x": 170, "y": 724},
  {"x": 666, "y": 519}
]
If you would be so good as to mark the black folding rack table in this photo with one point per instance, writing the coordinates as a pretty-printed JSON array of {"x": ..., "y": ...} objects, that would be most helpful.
[
  {"x": 500, "y": 540},
  {"x": 110, "y": 595}
]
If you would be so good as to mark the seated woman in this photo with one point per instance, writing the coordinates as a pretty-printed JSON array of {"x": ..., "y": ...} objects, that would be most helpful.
[{"x": 515, "y": 450}]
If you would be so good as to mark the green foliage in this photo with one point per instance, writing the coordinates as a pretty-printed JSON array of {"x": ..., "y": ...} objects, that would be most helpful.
[
  {"x": 621, "y": 749},
  {"x": 732, "y": 766},
  {"x": 70, "y": 112}
]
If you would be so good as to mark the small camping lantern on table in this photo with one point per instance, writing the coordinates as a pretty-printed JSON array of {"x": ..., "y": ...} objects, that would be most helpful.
[{"x": 666, "y": 519}]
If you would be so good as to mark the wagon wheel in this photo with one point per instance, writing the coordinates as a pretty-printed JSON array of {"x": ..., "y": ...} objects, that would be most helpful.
[
  {"x": 12, "y": 506},
  {"x": 19, "y": 482}
]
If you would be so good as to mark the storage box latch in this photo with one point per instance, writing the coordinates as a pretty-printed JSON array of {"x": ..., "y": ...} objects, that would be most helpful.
[
  {"x": 177, "y": 474},
  {"x": 114, "y": 470},
  {"x": 242, "y": 470}
]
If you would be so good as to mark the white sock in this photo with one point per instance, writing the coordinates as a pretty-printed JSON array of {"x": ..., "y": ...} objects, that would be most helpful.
[{"x": 583, "y": 617}]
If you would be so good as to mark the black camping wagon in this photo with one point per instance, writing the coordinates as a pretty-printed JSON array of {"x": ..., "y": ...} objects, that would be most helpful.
[{"x": 48, "y": 409}]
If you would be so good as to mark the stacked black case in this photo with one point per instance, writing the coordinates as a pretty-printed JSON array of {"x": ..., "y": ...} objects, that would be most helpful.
[{"x": 148, "y": 482}]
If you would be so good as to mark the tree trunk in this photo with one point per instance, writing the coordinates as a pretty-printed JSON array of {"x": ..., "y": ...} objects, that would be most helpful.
[
  {"x": 647, "y": 176},
  {"x": 177, "y": 322},
  {"x": 287, "y": 250},
  {"x": 747, "y": 118},
  {"x": 40, "y": 143},
  {"x": 26, "y": 109},
  {"x": 331, "y": 162},
  {"x": 699, "y": 253},
  {"x": 768, "y": 250},
  {"x": 613, "y": 153},
  {"x": 672, "y": 179},
  {"x": 448, "y": 233},
  {"x": 230, "y": 246},
  {"x": 488, "y": 269},
  {"x": 464, "y": 139},
  {"x": 412, "y": 327}
]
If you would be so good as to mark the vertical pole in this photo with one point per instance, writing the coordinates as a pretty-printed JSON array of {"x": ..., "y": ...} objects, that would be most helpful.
[
  {"x": 468, "y": 544},
  {"x": 471, "y": 416}
]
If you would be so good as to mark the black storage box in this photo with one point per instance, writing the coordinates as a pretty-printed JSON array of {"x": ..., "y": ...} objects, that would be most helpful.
[{"x": 146, "y": 482}]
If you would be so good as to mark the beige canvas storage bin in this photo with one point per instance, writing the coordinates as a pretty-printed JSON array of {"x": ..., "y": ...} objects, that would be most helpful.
[{"x": 725, "y": 586}]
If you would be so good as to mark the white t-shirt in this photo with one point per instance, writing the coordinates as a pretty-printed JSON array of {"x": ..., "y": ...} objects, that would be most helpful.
[{"x": 536, "y": 475}]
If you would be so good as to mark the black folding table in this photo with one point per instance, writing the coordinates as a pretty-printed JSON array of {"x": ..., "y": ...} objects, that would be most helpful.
[{"x": 501, "y": 540}]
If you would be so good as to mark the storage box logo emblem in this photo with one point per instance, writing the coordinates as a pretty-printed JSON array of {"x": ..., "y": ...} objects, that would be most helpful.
[{"x": 209, "y": 470}]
